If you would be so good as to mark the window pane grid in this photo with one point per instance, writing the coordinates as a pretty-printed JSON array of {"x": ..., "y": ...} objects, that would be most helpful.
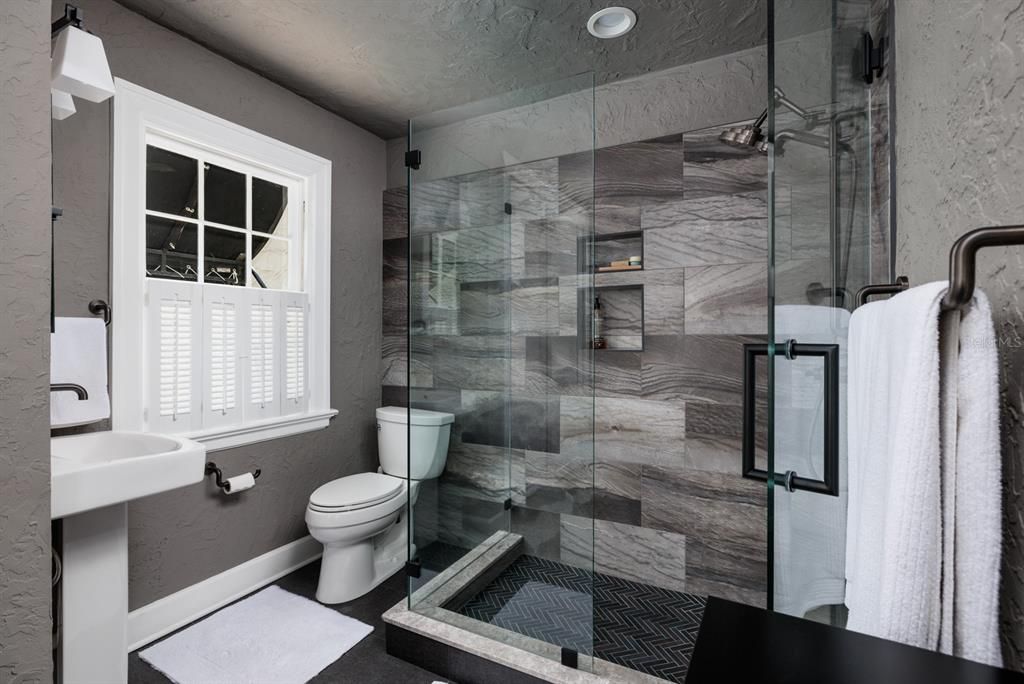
[{"x": 272, "y": 258}]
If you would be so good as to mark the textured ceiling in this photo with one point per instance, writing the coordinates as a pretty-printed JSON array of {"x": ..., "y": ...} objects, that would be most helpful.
[{"x": 379, "y": 62}]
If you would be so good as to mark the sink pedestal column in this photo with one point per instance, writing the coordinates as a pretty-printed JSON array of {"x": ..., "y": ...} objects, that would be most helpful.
[{"x": 94, "y": 600}]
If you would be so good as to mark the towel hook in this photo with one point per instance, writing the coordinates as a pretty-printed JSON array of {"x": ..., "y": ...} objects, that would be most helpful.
[{"x": 98, "y": 307}]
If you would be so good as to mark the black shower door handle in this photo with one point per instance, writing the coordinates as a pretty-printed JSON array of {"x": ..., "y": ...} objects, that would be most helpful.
[{"x": 791, "y": 349}]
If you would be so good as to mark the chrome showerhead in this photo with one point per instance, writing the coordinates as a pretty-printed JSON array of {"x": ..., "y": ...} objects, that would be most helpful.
[{"x": 747, "y": 136}]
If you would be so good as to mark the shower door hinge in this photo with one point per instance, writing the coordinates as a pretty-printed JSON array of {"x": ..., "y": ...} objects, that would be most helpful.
[
  {"x": 508, "y": 208},
  {"x": 570, "y": 658},
  {"x": 413, "y": 568},
  {"x": 413, "y": 159},
  {"x": 873, "y": 57},
  {"x": 508, "y": 504}
]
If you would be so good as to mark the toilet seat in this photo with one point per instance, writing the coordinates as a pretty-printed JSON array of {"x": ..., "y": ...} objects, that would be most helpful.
[{"x": 356, "y": 492}]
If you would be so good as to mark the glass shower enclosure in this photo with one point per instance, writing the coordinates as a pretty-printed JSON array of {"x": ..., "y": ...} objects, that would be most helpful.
[
  {"x": 643, "y": 346},
  {"x": 829, "y": 231},
  {"x": 500, "y": 292}
]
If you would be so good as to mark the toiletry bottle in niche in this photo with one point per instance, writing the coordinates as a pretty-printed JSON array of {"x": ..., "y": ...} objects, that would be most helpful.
[{"x": 599, "y": 341}]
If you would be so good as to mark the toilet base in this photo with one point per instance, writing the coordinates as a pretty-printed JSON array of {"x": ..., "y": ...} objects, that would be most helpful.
[{"x": 350, "y": 571}]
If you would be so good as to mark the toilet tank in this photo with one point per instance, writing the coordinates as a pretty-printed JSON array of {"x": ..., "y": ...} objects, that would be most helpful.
[{"x": 427, "y": 432}]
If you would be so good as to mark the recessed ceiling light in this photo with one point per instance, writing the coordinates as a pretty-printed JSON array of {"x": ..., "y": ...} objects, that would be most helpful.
[{"x": 611, "y": 22}]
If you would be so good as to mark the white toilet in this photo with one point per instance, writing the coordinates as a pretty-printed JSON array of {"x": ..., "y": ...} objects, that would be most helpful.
[{"x": 359, "y": 519}]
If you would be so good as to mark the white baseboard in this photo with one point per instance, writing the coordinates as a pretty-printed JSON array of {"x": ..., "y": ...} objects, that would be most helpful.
[{"x": 163, "y": 616}]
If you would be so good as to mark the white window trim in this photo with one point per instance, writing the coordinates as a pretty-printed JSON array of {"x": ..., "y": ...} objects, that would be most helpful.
[{"x": 137, "y": 113}]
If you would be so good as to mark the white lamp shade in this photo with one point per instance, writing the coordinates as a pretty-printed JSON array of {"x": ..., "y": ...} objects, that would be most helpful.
[
  {"x": 80, "y": 66},
  {"x": 62, "y": 105}
]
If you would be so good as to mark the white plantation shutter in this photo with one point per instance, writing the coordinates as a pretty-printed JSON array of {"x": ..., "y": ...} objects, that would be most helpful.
[
  {"x": 264, "y": 356},
  {"x": 222, "y": 377},
  {"x": 295, "y": 353},
  {"x": 171, "y": 345}
]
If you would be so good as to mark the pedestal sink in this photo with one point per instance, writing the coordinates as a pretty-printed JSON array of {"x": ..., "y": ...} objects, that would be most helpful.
[{"x": 93, "y": 476}]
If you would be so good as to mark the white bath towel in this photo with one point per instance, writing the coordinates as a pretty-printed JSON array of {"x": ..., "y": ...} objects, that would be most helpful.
[
  {"x": 78, "y": 354},
  {"x": 898, "y": 548},
  {"x": 810, "y": 529}
]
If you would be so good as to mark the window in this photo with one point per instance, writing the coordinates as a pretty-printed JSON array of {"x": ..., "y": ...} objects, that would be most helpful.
[{"x": 220, "y": 270}]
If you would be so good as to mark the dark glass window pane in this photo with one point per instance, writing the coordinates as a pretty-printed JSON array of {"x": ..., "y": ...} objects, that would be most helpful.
[
  {"x": 171, "y": 182},
  {"x": 269, "y": 263},
  {"x": 269, "y": 207},
  {"x": 225, "y": 257},
  {"x": 225, "y": 196},
  {"x": 171, "y": 249}
]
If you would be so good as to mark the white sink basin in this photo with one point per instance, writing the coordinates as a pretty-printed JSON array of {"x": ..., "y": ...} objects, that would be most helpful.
[{"x": 97, "y": 469}]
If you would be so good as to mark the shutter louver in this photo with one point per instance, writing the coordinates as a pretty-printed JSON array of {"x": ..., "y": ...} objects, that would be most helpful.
[
  {"x": 295, "y": 353},
  {"x": 261, "y": 354},
  {"x": 222, "y": 337},
  {"x": 175, "y": 358}
]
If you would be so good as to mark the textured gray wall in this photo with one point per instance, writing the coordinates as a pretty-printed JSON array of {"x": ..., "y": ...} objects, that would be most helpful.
[
  {"x": 24, "y": 342},
  {"x": 184, "y": 536},
  {"x": 959, "y": 128}
]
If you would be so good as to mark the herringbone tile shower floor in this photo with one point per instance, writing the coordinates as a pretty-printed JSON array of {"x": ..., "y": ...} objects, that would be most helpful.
[{"x": 646, "y": 628}]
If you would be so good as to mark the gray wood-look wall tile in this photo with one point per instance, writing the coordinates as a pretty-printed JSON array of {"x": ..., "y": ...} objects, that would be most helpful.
[
  {"x": 723, "y": 517},
  {"x": 434, "y": 206},
  {"x": 395, "y": 360},
  {"x": 551, "y": 245},
  {"x": 483, "y": 253},
  {"x": 541, "y": 531},
  {"x": 572, "y": 368},
  {"x": 396, "y": 215},
  {"x": 714, "y": 168},
  {"x": 533, "y": 189},
  {"x": 727, "y": 299},
  {"x": 432, "y": 399},
  {"x": 492, "y": 473},
  {"x": 694, "y": 367},
  {"x": 534, "y": 307},
  {"x": 663, "y": 294},
  {"x": 634, "y": 553},
  {"x": 720, "y": 229},
  {"x": 622, "y": 430},
  {"x": 714, "y": 437},
  {"x": 737, "y": 572},
  {"x": 395, "y": 293},
  {"x": 471, "y": 362},
  {"x": 617, "y": 181},
  {"x": 482, "y": 198},
  {"x": 573, "y": 482},
  {"x": 484, "y": 418},
  {"x": 794, "y": 276},
  {"x": 484, "y": 308}
]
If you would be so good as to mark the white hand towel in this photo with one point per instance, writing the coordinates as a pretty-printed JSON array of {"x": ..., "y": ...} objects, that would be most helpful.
[
  {"x": 924, "y": 530},
  {"x": 78, "y": 354},
  {"x": 976, "y": 504},
  {"x": 894, "y": 522},
  {"x": 810, "y": 529}
]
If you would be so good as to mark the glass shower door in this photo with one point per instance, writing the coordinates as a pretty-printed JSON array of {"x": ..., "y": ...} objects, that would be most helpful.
[
  {"x": 821, "y": 253},
  {"x": 499, "y": 291}
]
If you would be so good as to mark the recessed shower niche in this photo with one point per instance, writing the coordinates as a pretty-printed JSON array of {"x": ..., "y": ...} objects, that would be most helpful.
[{"x": 617, "y": 315}]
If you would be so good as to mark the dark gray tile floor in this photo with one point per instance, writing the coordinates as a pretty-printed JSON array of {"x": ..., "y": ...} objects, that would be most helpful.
[{"x": 366, "y": 663}]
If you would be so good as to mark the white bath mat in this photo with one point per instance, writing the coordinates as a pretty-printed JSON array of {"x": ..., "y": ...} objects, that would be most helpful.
[{"x": 272, "y": 637}]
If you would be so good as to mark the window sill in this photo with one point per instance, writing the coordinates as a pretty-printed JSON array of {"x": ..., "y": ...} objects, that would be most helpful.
[{"x": 264, "y": 430}]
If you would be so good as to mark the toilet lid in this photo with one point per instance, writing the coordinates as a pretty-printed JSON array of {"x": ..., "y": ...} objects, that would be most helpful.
[{"x": 357, "y": 491}]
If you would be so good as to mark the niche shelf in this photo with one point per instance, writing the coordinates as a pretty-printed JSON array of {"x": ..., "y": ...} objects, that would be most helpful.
[
  {"x": 608, "y": 252},
  {"x": 622, "y": 307}
]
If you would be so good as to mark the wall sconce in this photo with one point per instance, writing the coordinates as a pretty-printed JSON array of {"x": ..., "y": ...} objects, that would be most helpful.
[
  {"x": 79, "y": 65},
  {"x": 62, "y": 105}
]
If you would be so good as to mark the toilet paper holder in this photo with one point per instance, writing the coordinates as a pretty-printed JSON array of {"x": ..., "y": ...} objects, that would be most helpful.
[{"x": 211, "y": 467}]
